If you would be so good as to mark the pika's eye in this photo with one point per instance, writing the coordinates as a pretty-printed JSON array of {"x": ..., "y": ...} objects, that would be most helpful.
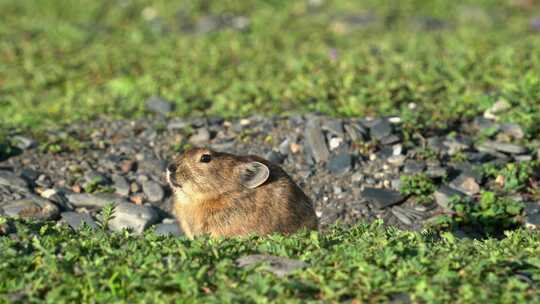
[{"x": 206, "y": 158}]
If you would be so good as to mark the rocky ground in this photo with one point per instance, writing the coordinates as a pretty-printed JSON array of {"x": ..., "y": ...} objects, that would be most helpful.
[{"x": 351, "y": 168}]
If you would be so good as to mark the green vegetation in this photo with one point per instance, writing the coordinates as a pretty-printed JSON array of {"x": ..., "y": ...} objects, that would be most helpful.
[
  {"x": 419, "y": 185},
  {"x": 513, "y": 176},
  {"x": 63, "y": 61},
  {"x": 367, "y": 263}
]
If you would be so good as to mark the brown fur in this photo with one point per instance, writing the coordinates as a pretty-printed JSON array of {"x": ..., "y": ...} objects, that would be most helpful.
[{"x": 210, "y": 198}]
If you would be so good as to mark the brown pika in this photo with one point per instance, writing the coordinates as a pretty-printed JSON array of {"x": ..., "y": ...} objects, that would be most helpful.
[{"x": 221, "y": 194}]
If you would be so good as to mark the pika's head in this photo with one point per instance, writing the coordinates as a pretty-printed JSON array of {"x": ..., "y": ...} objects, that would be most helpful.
[{"x": 201, "y": 173}]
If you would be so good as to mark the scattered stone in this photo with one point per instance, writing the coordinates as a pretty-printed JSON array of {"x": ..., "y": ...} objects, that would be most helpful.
[
  {"x": 24, "y": 143},
  {"x": 513, "y": 130},
  {"x": 356, "y": 132},
  {"x": 333, "y": 126},
  {"x": 396, "y": 160},
  {"x": 334, "y": 143},
  {"x": 380, "y": 129},
  {"x": 390, "y": 139},
  {"x": 10, "y": 179},
  {"x": 499, "y": 107},
  {"x": 202, "y": 136},
  {"x": 381, "y": 198},
  {"x": 413, "y": 167},
  {"x": 76, "y": 220},
  {"x": 131, "y": 216},
  {"x": 315, "y": 141},
  {"x": 97, "y": 201},
  {"x": 128, "y": 165},
  {"x": 274, "y": 157},
  {"x": 466, "y": 184},
  {"x": 340, "y": 163},
  {"x": 153, "y": 191},
  {"x": 502, "y": 147},
  {"x": 436, "y": 172},
  {"x": 279, "y": 266},
  {"x": 443, "y": 196},
  {"x": 121, "y": 186},
  {"x": 168, "y": 229},
  {"x": 533, "y": 221},
  {"x": 158, "y": 105},
  {"x": 33, "y": 207}
]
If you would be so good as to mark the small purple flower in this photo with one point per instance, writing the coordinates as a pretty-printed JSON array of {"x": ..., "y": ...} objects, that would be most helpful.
[{"x": 332, "y": 54}]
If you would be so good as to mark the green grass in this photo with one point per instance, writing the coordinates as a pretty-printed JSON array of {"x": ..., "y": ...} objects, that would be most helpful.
[
  {"x": 65, "y": 61},
  {"x": 367, "y": 263}
]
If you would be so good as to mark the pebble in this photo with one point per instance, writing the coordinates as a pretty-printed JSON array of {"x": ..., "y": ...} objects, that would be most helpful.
[
  {"x": 10, "y": 179},
  {"x": 333, "y": 126},
  {"x": 168, "y": 229},
  {"x": 513, "y": 130},
  {"x": 502, "y": 147},
  {"x": 380, "y": 129},
  {"x": 153, "y": 191},
  {"x": 33, "y": 207},
  {"x": 279, "y": 266},
  {"x": 381, "y": 198},
  {"x": 202, "y": 136},
  {"x": 413, "y": 167},
  {"x": 315, "y": 141},
  {"x": 98, "y": 200},
  {"x": 340, "y": 163},
  {"x": 466, "y": 184},
  {"x": 134, "y": 217},
  {"x": 75, "y": 220},
  {"x": 532, "y": 221},
  {"x": 498, "y": 107},
  {"x": 24, "y": 143},
  {"x": 121, "y": 186},
  {"x": 274, "y": 157},
  {"x": 159, "y": 105},
  {"x": 443, "y": 196}
]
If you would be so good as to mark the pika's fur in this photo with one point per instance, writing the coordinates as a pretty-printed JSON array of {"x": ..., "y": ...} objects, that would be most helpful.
[{"x": 220, "y": 194}]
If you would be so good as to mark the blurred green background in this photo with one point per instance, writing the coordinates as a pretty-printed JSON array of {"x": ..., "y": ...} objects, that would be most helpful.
[{"x": 66, "y": 61}]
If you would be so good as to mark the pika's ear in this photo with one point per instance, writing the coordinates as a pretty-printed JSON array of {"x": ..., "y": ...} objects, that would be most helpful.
[{"x": 253, "y": 174}]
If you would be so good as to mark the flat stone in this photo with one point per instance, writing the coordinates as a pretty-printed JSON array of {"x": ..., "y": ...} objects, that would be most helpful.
[
  {"x": 333, "y": 126},
  {"x": 159, "y": 105},
  {"x": 533, "y": 221},
  {"x": 456, "y": 145},
  {"x": 274, "y": 157},
  {"x": 396, "y": 160},
  {"x": 280, "y": 266},
  {"x": 443, "y": 196},
  {"x": 413, "y": 167},
  {"x": 120, "y": 184},
  {"x": 436, "y": 171},
  {"x": 166, "y": 229},
  {"x": 315, "y": 141},
  {"x": 24, "y": 143},
  {"x": 513, "y": 130},
  {"x": 380, "y": 129},
  {"x": 381, "y": 198},
  {"x": 356, "y": 132},
  {"x": 340, "y": 163},
  {"x": 466, "y": 184},
  {"x": 134, "y": 217},
  {"x": 97, "y": 201},
  {"x": 502, "y": 147},
  {"x": 33, "y": 207},
  {"x": 153, "y": 191},
  {"x": 390, "y": 139},
  {"x": 75, "y": 220},
  {"x": 532, "y": 208},
  {"x": 10, "y": 179}
]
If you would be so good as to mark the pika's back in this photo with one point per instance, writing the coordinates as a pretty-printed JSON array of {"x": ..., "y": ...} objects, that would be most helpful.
[{"x": 223, "y": 194}]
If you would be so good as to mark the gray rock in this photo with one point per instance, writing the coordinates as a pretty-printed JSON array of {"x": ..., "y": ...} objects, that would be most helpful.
[
  {"x": 532, "y": 208},
  {"x": 513, "y": 130},
  {"x": 381, "y": 198},
  {"x": 202, "y": 136},
  {"x": 153, "y": 191},
  {"x": 466, "y": 184},
  {"x": 75, "y": 220},
  {"x": 131, "y": 216},
  {"x": 390, "y": 139},
  {"x": 158, "y": 105},
  {"x": 10, "y": 179},
  {"x": 436, "y": 171},
  {"x": 280, "y": 266},
  {"x": 333, "y": 126},
  {"x": 94, "y": 178},
  {"x": 456, "y": 145},
  {"x": 33, "y": 207},
  {"x": 284, "y": 147},
  {"x": 443, "y": 196},
  {"x": 532, "y": 221},
  {"x": 380, "y": 129},
  {"x": 502, "y": 147},
  {"x": 24, "y": 143},
  {"x": 167, "y": 229},
  {"x": 177, "y": 124},
  {"x": 97, "y": 201},
  {"x": 356, "y": 132},
  {"x": 274, "y": 157},
  {"x": 340, "y": 163},
  {"x": 121, "y": 185},
  {"x": 315, "y": 141},
  {"x": 413, "y": 167}
]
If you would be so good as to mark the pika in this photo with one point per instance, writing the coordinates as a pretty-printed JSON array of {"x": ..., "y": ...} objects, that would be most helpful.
[{"x": 221, "y": 194}]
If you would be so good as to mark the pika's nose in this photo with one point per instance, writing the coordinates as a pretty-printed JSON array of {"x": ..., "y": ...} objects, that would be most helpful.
[{"x": 172, "y": 167}]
